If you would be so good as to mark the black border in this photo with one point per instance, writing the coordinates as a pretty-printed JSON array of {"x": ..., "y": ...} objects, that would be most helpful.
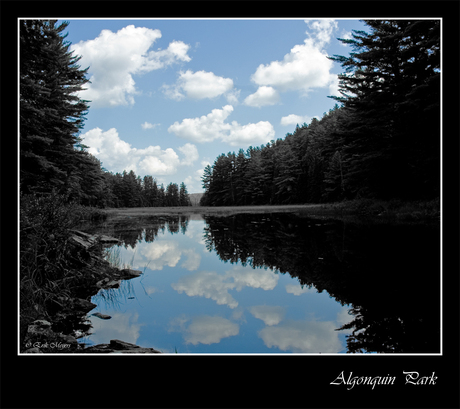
[{"x": 229, "y": 381}]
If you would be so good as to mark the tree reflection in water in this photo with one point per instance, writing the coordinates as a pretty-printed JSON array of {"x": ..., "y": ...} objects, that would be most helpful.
[{"x": 388, "y": 273}]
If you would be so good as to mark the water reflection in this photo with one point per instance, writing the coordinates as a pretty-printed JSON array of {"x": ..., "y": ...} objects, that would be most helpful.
[
  {"x": 204, "y": 329},
  {"x": 389, "y": 273},
  {"x": 124, "y": 326},
  {"x": 210, "y": 284},
  {"x": 297, "y": 284}
]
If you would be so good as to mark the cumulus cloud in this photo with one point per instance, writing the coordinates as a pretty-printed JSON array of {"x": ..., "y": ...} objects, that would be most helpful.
[
  {"x": 210, "y": 284},
  {"x": 114, "y": 58},
  {"x": 160, "y": 254},
  {"x": 198, "y": 85},
  {"x": 303, "y": 336},
  {"x": 263, "y": 96},
  {"x": 269, "y": 314},
  {"x": 193, "y": 260},
  {"x": 255, "y": 278},
  {"x": 117, "y": 155},
  {"x": 322, "y": 30},
  {"x": 334, "y": 86},
  {"x": 205, "y": 329},
  {"x": 163, "y": 253},
  {"x": 208, "y": 128},
  {"x": 205, "y": 128},
  {"x": 305, "y": 67},
  {"x": 293, "y": 119},
  {"x": 190, "y": 152},
  {"x": 206, "y": 284}
]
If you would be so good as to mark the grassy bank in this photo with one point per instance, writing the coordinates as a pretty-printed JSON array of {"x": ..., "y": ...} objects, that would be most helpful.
[
  {"x": 396, "y": 210},
  {"x": 51, "y": 268}
]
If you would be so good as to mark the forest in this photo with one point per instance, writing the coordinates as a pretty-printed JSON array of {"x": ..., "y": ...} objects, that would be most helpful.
[
  {"x": 53, "y": 158},
  {"x": 380, "y": 141}
]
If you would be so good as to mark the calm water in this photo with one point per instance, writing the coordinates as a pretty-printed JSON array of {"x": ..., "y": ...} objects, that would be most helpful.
[{"x": 273, "y": 283}]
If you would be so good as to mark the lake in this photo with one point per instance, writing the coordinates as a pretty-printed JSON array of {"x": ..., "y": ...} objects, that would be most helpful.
[{"x": 273, "y": 283}]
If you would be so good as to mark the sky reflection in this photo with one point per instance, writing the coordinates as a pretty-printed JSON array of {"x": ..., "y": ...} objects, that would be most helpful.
[{"x": 189, "y": 300}]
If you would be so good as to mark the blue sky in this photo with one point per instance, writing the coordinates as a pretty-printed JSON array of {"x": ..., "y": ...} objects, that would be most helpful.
[{"x": 170, "y": 95}]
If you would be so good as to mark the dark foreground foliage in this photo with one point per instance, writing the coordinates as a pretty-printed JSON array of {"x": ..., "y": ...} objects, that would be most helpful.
[{"x": 49, "y": 264}]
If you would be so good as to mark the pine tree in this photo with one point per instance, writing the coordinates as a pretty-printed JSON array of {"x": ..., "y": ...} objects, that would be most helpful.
[
  {"x": 184, "y": 199},
  {"x": 51, "y": 113},
  {"x": 390, "y": 90},
  {"x": 172, "y": 195}
]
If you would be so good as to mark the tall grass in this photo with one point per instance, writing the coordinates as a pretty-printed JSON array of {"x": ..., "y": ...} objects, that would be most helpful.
[
  {"x": 48, "y": 263},
  {"x": 113, "y": 256}
]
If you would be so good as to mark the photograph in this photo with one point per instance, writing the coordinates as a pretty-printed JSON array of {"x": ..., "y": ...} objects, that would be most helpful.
[{"x": 254, "y": 196}]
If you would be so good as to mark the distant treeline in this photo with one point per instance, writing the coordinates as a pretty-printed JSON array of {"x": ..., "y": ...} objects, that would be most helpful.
[
  {"x": 382, "y": 141},
  {"x": 127, "y": 190},
  {"x": 52, "y": 155}
]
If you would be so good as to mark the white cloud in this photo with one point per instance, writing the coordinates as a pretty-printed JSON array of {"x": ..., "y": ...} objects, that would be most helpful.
[
  {"x": 205, "y": 329},
  {"x": 191, "y": 154},
  {"x": 232, "y": 96},
  {"x": 269, "y": 314},
  {"x": 263, "y": 96},
  {"x": 148, "y": 125},
  {"x": 107, "y": 147},
  {"x": 114, "y": 58},
  {"x": 293, "y": 119},
  {"x": 205, "y": 128},
  {"x": 198, "y": 85},
  {"x": 151, "y": 290},
  {"x": 305, "y": 67},
  {"x": 303, "y": 336},
  {"x": 162, "y": 253},
  {"x": 117, "y": 155},
  {"x": 193, "y": 260},
  {"x": 206, "y": 284},
  {"x": 210, "y": 284},
  {"x": 250, "y": 134},
  {"x": 323, "y": 30},
  {"x": 209, "y": 127},
  {"x": 334, "y": 86},
  {"x": 255, "y": 278}
]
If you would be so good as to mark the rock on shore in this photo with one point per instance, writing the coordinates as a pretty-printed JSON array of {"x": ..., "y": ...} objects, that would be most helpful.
[
  {"x": 57, "y": 333},
  {"x": 117, "y": 346}
]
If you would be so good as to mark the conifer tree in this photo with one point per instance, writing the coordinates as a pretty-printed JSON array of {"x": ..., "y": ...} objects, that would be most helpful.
[
  {"x": 184, "y": 199},
  {"x": 51, "y": 113},
  {"x": 390, "y": 90}
]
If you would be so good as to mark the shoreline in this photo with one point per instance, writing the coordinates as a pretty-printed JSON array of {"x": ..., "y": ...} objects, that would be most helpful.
[
  {"x": 377, "y": 210},
  {"x": 57, "y": 330}
]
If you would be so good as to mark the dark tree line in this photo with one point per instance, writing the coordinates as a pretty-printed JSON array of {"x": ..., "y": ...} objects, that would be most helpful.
[
  {"x": 382, "y": 141},
  {"x": 128, "y": 190},
  {"x": 52, "y": 156}
]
